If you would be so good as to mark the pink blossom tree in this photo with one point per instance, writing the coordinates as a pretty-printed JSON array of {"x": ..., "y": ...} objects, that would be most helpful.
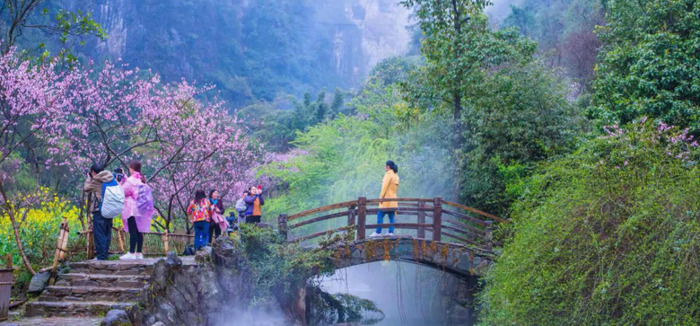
[
  {"x": 31, "y": 98},
  {"x": 184, "y": 143}
]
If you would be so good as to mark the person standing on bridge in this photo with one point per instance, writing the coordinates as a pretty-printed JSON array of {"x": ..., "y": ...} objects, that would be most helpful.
[{"x": 390, "y": 189}]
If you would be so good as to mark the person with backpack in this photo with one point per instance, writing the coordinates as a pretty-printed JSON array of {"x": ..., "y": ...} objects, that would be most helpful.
[
  {"x": 232, "y": 223},
  {"x": 107, "y": 204},
  {"x": 241, "y": 207},
  {"x": 138, "y": 210},
  {"x": 199, "y": 212},
  {"x": 254, "y": 201}
]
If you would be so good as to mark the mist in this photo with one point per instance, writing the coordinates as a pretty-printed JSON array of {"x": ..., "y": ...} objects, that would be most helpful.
[
  {"x": 500, "y": 9},
  {"x": 408, "y": 294}
]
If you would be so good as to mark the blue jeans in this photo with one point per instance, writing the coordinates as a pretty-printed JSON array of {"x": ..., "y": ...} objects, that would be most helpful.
[
  {"x": 102, "y": 232},
  {"x": 201, "y": 234},
  {"x": 380, "y": 220}
]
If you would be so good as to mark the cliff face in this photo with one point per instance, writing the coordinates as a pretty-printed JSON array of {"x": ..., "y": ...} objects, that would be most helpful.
[{"x": 251, "y": 49}]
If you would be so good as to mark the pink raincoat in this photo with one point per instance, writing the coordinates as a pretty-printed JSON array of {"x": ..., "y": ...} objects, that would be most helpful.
[{"x": 131, "y": 189}]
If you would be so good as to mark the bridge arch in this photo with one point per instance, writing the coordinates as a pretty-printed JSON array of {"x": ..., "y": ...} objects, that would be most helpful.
[
  {"x": 457, "y": 259},
  {"x": 433, "y": 232}
]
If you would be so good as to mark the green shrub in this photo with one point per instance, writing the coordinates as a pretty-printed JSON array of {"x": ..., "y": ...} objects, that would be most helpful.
[{"x": 606, "y": 236}]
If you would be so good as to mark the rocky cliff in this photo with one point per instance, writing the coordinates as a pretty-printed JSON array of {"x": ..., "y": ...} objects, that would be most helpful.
[{"x": 251, "y": 49}]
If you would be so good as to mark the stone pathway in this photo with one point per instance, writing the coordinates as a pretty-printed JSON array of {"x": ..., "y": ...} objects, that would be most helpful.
[
  {"x": 92, "y": 288},
  {"x": 54, "y": 321}
]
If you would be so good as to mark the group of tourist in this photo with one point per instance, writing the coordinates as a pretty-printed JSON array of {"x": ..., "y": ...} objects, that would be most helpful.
[
  {"x": 131, "y": 197},
  {"x": 206, "y": 214},
  {"x": 117, "y": 194}
]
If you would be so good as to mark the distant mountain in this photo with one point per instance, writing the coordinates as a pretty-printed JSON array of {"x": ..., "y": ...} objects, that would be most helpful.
[{"x": 251, "y": 49}]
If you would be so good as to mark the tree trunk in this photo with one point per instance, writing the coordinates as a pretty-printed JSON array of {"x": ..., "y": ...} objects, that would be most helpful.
[{"x": 11, "y": 213}]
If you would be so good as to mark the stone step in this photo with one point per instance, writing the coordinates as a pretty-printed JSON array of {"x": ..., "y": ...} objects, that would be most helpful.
[
  {"x": 87, "y": 294},
  {"x": 72, "y": 309},
  {"x": 114, "y": 267},
  {"x": 102, "y": 280}
]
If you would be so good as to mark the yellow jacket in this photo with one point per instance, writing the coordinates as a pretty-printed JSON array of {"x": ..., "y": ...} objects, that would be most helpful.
[{"x": 390, "y": 187}]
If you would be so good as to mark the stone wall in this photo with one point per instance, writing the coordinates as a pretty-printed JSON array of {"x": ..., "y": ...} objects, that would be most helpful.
[{"x": 220, "y": 283}]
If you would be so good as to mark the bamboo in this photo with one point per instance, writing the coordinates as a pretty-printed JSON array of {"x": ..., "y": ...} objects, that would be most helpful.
[
  {"x": 120, "y": 240},
  {"x": 165, "y": 243},
  {"x": 59, "y": 248},
  {"x": 64, "y": 245}
]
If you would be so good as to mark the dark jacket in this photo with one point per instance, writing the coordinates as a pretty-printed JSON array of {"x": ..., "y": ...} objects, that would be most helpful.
[
  {"x": 219, "y": 205},
  {"x": 94, "y": 185},
  {"x": 250, "y": 201}
]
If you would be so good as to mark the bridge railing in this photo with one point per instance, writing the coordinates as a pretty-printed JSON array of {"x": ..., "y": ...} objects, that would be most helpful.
[{"x": 424, "y": 218}]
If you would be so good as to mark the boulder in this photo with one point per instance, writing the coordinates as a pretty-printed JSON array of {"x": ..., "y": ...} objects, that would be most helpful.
[
  {"x": 220, "y": 282},
  {"x": 39, "y": 282},
  {"x": 116, "y": 317}
]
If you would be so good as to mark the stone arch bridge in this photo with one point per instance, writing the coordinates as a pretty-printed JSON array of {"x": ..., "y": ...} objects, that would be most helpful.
[{"x": 432, "y": 232}]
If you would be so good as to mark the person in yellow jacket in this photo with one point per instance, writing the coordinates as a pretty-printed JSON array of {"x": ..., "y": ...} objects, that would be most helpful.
[{"x": 390, "y": 188}]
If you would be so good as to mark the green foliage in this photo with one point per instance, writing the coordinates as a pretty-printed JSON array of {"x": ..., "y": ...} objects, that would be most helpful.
[
  {"x": 520, "y": 118},
  {"x": 344, "y": 158},
  {"x": 277, "y": 126},
  {"x": 605, "y": 236},
  {"x": 459, "y": 49},
  {"x": 564, "y": 32},
  {"x": 280, "y": 267},
  {"x": 649, "y": 63}
]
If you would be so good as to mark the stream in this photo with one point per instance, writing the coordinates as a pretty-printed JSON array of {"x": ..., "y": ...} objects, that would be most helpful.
[{"x": 408, "y": 294}]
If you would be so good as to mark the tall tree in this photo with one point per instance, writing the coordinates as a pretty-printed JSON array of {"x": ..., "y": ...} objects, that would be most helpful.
[
  {"x": 19, "y": 15},
  {"x": 459, "y": 46},
  {"x": 650, "y": 65}
]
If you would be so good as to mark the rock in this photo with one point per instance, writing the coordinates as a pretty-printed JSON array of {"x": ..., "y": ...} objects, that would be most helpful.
[
  {"x": 173, "y": 259},
  {"x": 39, "y": 282},
  {"x": 116, "y": 317},
  {"x": 158, "y": 324},
  {"x": 181, "y": 294},
  {"x": 203, "y": 255}
]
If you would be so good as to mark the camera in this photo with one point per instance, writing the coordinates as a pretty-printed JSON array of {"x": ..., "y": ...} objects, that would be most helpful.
[{"x": 119, "y": 174}]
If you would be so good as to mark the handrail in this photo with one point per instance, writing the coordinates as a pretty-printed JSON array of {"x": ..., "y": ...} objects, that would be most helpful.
[
  {"x": 321, "y": 209},
  {"x": 474, "y": 210},
  {"x": 461, "y": 225}
]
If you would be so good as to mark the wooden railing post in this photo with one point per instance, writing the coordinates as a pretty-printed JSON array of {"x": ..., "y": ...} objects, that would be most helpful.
[
  {"x": 166, "y": 244},
  {"x": 61, "y": 244},
  {"x": 351, "y": 218},
  {"x": 120, "y": 240},
  {"x": 488, "y": 236},
  {"x": 437, "y": 219},
  {"x": 421, "y": 220},
  {"x": 90, "y": 243},
  {"x": 282, "y": 226},
  {"x": 361, "y": 217}
]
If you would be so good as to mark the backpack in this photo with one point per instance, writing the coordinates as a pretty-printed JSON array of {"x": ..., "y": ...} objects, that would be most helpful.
[
  {"x": 144, "y": 201},
  {"x": 240, "y": 205},
  {"x": 189, "y": 251},
  {"x": 112, "y": 199}
]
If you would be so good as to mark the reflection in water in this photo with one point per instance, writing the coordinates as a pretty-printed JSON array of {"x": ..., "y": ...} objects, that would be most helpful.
[{"x": 408, "y": 294}]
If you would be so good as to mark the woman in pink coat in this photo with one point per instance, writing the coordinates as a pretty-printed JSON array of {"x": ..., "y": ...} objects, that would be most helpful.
[{"x": 135, "y": 221}]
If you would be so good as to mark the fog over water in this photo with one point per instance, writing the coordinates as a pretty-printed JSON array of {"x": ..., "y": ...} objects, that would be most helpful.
[{"x": 409, "y": 294}]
